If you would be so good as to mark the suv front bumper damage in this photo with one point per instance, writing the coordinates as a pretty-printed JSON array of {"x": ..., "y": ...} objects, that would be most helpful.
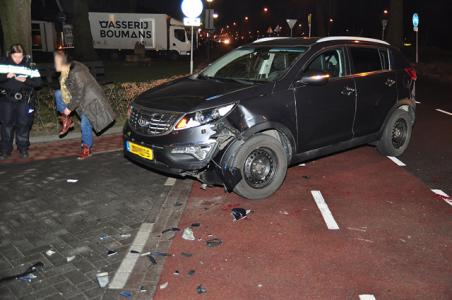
[{"x": 202, "y": 152}]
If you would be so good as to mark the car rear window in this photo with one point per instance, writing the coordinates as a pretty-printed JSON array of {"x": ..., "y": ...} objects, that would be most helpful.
[{"x": 365, "y": 60}]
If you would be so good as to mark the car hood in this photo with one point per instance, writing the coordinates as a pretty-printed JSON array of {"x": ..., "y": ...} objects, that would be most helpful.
[{"x": 190, "y": 93}]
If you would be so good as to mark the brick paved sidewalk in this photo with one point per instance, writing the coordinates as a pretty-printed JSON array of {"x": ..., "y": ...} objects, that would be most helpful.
[{"x": 66, "y": 148}]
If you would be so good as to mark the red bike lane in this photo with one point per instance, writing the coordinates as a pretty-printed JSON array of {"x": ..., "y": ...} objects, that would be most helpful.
[{"x": 393, "y": 240}]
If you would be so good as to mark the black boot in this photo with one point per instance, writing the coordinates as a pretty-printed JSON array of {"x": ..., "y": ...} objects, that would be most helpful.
[{"x": 23, "y": 154}]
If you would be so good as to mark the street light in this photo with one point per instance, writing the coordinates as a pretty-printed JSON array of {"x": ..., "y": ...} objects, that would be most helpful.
[
  {"x": 385, "y": 12},
  {"x": 215, "y": 16},
  {"x": 246, "y": 18},
  {"x": 265, "y": 9}
]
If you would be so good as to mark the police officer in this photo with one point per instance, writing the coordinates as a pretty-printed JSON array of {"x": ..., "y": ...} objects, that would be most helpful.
[{"x": 18, "y": 79}]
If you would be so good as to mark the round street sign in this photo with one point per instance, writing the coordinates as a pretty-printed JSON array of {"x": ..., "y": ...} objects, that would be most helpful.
[
  {"x": 192, "y": 8},
  {"x": 415, "y": 20}
]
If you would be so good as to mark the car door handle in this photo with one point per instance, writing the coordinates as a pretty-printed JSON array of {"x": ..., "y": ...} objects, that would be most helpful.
[
  {"x": 389, "y": 82},
  {"x": 347, "y": 91}
]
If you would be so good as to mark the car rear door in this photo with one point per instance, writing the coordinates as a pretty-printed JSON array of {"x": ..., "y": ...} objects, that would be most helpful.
[
  {"x": 325, "y": 113},
  {"x": 376, "y": 87}
]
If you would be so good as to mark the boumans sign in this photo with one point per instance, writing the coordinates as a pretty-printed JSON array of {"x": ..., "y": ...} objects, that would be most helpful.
[{"x": 192, "y": 9}]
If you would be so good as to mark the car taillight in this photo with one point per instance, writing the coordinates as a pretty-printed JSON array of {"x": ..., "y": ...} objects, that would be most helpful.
[{"x": 411, "y": 72}]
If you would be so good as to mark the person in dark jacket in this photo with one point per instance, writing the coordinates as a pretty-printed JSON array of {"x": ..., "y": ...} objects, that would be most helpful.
[
  {"x": 80, "y": 92},
  {"x": 18, "y": 79}
]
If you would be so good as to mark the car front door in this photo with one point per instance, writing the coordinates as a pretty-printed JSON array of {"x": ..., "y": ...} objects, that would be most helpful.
[
  {"x": 326, "y": 112},
  {"x": 376, "y": 88}
]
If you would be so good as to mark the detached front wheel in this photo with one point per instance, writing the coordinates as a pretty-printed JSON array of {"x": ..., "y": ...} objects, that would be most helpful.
[{"x": 262, "y": 161}]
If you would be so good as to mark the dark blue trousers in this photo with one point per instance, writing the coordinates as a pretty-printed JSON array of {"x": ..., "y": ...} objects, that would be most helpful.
[{"x": 16, "y": 118}]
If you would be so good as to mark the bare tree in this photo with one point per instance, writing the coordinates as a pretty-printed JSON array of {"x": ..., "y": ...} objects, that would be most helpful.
[
  {"x": 15, "y": 16},
  {"x": 395, "y": 27},
  {"x": 83, "y": 40}
]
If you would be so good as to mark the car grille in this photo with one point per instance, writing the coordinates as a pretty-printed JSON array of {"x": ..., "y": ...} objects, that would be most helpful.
[{"x": 152, "y": 122}]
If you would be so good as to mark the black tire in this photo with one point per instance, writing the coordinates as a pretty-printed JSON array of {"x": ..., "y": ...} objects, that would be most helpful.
[
  {"x": 396, "y": 134},
  {"x": 262, "y": 162}
]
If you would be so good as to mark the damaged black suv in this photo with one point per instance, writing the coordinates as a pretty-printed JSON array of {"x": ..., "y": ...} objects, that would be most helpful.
[{"x": 276, "y": 102}]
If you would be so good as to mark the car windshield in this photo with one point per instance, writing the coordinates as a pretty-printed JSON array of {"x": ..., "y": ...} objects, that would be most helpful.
[{"x": 253, "y": 64}]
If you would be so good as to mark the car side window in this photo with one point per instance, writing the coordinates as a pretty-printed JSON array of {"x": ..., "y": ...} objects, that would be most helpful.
[
  {"x": 331, "y": 62},
  {"x": 365, "y": 60}
]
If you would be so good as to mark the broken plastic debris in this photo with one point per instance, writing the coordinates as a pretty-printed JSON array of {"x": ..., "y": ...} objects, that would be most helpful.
[
  {"x": 72, "y": 180},
  {"x": 170, "y": 230},
  {"x": 284, "y": 212},
  {"x": 200, "y": 289},
  {"x": 176, "y": 273},
  {"x": 239, "y": 213},
  {"x": 188, "y": 234},
  {"x": 158, "y": 253},
  {"x": 143, "y": 289},
  {"x": 134, "y": 251},
  {"x": 70, "y": 258},
  {"x": 50, "y": 252},
  {"x": 104, "y": 237},
  {"x": 204, "y": 186},
  {"x": 125, "y": 235},
  {"x": 212, "y": 243},
  {"x": 28, "y": 271},
  {"x": 28, "y": 278},
  {"x": 191, "y": 272},
  {"x": 195, "y": 224},
  {"x": 102, "y": 279},
  {"x": 127, "y": 294},
  {"x": 186, "y": 254},
  {"x": 152, "y": 259},
  {"x": 111, "y": 252},
  {"x": 164, "y": 285}
]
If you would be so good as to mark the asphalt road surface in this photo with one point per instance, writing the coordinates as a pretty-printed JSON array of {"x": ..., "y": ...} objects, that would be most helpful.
[{"x": 429, "y": 155}]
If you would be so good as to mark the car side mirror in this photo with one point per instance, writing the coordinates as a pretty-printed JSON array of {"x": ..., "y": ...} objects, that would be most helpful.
[{"x": 314, "y": 78}]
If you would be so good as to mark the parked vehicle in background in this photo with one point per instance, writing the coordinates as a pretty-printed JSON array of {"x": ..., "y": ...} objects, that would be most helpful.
[
  {"x": 157, "y": 32},
  {"x": 271, "y": 104}
]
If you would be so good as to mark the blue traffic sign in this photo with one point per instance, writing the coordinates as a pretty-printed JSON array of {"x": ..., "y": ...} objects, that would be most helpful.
[{"x": 415, "y": 20}]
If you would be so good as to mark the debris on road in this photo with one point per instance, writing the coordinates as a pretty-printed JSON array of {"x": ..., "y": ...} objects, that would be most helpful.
[
  {"x": 195, "y": 224},
  {"x": 50, "y": 252},
  {"x": 111, "y": 253},
  {"x": 212, "y": 243},
  {"x": 176, "y": 273},
  {"x": 72, "y": 180},
  {"x": 126, "y": 235},
  {"x": 25, "y": 274},
  {"x": 284, "y": 212},
  {"x": 152, "y": 259},
  {"x": 102, "y": 279},
  {"x": 203, "y": 186},
  {"x": 134, "y": 251},
  {"x": 104, "y": 237},
  {"x": 126, "y": 294},
  {"x": 143, "y": 289},
  {"x": 188, "y": 234},
  {"x": 158, "y": 253},
  {"x": 239, "y": 213},
  {"x": 173, "y": 229},
  {"x": 164, "y": 285},
  {"x": 200, "y": 289},
  {"x": 70, "y": 258},
  {"x": 186, "y": 254},
  {"x": 28, "y": 278},
  {"x": 191, "y": 272},
  {"x": 307, "y": 177}
]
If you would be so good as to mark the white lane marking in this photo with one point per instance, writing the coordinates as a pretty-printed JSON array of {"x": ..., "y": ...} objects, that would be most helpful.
[
  {"x": 397, "y": 161},
  {"x": 443, "y": 195},
  {"x": 444, "y": 112},
  {"x": 367, "y": 297},
  {"x": 170, "y": 181},
  {"x": 324, "y": 210},
  {"x": 129, "y": 261}
]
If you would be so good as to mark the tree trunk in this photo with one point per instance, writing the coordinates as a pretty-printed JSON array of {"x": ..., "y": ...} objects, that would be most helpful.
[
  {"x": 395, "y": 27},
  {"x": 15, "y": 16},
  {"x": 83, "y": 41}
]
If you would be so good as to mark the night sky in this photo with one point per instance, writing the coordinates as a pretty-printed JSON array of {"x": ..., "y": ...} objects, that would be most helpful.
[{"x": 351, "y": 17}]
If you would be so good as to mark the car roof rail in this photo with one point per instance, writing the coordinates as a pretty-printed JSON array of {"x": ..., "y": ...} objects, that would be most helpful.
[
  {"x": 351, "y": 38},
  {"x": 266, "y": 39}
]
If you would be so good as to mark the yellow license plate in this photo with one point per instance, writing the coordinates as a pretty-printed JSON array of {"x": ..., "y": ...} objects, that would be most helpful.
[{"x": 140, "y": 150}]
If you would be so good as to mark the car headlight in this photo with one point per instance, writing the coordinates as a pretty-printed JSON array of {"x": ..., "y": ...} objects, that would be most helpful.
[{"x": 203, "y": 117}]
